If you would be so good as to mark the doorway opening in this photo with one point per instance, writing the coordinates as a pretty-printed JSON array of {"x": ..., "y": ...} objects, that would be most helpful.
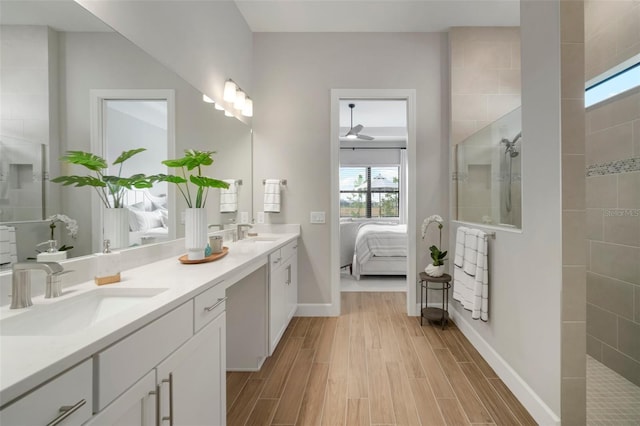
[{"x": 373, "y": 193}]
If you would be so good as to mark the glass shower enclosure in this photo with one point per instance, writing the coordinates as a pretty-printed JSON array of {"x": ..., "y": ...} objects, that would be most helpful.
[{"x": 488, "y": 174}]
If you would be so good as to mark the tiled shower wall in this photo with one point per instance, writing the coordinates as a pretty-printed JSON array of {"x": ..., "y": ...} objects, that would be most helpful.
[
  {"x": 613, "y": 223},
  {"x": 612, "y": 31},
  {"x": 485, "y": 85}
]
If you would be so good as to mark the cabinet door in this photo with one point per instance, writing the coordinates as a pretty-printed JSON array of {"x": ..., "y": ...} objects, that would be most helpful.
[
  {"x": 292, "y": 287},
  {"x": 135, "y": 407},
  {"x": 192, "y": 381},
  {"x": 67, "y": 399},
  {"x": 277, "y": 305}
]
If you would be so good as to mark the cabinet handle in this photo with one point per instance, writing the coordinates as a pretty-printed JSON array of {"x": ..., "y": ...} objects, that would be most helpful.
[
  {"x": 157, "y": 394},
  {"x": 66, "y": 411},
  {"x": 170, "y": 381},
  {"x": 215, "y": 305},
  {"x": 288, "y": 274},
  {"x": 295, "y": 247},
  {"x": 277, "y": 260}
]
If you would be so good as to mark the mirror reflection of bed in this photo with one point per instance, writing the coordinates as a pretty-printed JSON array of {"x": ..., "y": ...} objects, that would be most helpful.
[{"x": 148, "y": 217}]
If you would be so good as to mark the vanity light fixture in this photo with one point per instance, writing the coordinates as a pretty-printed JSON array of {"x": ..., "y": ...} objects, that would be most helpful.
[
  {"x": 227, "y": 113},
  {"x": 247, "y": 111},
  {"x": 207, "y": 99},
  {"x": 239, "y": 101},
  {"x": 230, "y": 88},
  {"x": 219, "y": 107}
]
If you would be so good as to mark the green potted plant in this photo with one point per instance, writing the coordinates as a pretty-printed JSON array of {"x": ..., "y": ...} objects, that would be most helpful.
[
  {"x": 111, "y": 189},
  {"x": 190, "y": 168}
]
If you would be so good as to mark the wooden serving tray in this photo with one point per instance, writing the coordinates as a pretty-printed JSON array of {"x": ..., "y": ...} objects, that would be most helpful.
[{"x": 211, "y": 258}]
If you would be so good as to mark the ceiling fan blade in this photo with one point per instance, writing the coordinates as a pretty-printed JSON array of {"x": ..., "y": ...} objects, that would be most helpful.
[
  {"x": 366, "y": 137},
  {"x": 356, "y": 129}
]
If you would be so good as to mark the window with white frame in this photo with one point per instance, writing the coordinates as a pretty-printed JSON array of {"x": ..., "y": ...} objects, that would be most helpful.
[
  {"x": 619, "y": 79},
  {"x": 370, "y": 192}
]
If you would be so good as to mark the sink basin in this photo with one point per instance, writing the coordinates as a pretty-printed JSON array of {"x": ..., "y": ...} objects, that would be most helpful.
[{"x": 76, "y": 313}]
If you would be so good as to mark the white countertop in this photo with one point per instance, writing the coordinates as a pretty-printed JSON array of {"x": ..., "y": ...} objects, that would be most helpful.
[{"x": 28, "y": 361}]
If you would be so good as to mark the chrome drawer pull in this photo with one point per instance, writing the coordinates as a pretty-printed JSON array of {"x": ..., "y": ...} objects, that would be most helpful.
[
  {"x": 66, "y": 411},
  {"x": 215, "y": 305},
  {"x": 157, "y": 394}
]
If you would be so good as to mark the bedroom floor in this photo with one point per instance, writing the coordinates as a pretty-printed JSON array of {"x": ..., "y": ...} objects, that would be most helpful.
[
  {"x": 372, "y": 365},
  {"x": 372, "y": 282}
]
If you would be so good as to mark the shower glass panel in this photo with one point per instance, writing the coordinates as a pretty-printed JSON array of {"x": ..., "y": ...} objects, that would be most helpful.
[{"x": 487, "y": 177}]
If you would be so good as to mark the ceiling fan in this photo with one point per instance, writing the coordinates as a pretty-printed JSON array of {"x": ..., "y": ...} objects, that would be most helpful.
[{"x": 354, "y": 132}]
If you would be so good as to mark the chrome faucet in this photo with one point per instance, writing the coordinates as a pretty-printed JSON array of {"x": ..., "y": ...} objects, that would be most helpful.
[
  {"x": 21, "y": 281},
  {"x": 242, "y": 229},
  {"x": 220, "y": 226}
]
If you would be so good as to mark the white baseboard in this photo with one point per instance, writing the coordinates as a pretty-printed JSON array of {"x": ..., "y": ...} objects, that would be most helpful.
[
  {"x": 540, "y": 411},
  {"x": 316, "y": 310}
]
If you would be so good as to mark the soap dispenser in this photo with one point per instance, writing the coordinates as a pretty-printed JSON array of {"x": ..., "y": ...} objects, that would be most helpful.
[{"x": 108, "y": 265}]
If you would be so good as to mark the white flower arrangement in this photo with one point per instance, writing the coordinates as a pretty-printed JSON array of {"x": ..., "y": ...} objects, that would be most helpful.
[
  {"x": 436, "y": 255},
  {"x": 71, "y": 224}
]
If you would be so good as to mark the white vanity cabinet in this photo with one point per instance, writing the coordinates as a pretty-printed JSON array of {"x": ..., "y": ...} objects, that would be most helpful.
[
  {"x": 192, "y": 380},
  {"x": 65, "y": 400},
  {"x": 283, "y": 290},
  {"x": 183, "y": 375}
]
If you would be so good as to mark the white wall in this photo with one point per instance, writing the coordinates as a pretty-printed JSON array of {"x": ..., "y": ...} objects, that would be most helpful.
[
  {"x": 293, "y": 76},
  {"x": 205, "y": 42},
  {"x": 526, "y": 267}
]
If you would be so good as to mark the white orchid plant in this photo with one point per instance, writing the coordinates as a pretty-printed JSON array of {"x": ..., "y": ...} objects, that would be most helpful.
[
  {"x": 71, "y": 224},
  {"x": 437, "y": 256}
]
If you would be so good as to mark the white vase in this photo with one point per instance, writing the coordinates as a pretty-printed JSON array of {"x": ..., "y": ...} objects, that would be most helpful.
[
  {"x": 434, "y": 271},
  {"x": 195, "y": 233},
  {"x": 116, "y": 227}
]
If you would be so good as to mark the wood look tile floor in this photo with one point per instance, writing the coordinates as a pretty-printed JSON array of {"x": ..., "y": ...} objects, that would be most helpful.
[{"x": 373, "y": 365}]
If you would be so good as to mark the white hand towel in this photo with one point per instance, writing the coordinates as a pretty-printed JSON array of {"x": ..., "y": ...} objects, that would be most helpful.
[
  {"x": 470, "y": 252},
  {"x": 272, "y": 196},
  {"x": 229, "y": 197},
  {"x": 480, "y": 308},
  {"x": 460, "y": 235}
]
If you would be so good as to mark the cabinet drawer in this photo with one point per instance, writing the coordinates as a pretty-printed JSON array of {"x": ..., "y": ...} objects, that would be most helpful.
[
  {"x": 275, "y": 259},
  {"x": 40, "y": 407},
  {"x": 288, "y": 250},
  {"x": 208, "y": 305},
  {"x": 121, "y": 365}
]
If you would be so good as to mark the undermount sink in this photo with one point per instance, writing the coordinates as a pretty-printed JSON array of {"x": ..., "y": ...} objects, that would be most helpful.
[{"x": 76, "y": 313}]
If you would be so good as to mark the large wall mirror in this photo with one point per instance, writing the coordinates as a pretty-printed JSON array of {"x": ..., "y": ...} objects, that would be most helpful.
[{"x": 54, "y": 54}]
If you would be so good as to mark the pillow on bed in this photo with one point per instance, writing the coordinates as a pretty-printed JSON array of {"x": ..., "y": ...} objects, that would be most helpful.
[{"x": 143, "y": 221}]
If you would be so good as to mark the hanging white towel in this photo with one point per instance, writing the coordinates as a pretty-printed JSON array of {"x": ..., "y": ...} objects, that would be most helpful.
[
  {"x": 481, "y": 283},
  {"x": 272, "y": 196},
  {"x": 229, "y": 197},
  {"x": 470, "y": 275}
]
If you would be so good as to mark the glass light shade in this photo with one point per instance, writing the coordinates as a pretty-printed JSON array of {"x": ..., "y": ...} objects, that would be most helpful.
[
  {"x": 219, "y": 107},
  {"x": 247, "y": 111},
  {"x": 230, "y": 89},
  {"x": 207, "y": 99},
  {"x": 227, "y": 113},
  {"x": 240, "y": 98}
]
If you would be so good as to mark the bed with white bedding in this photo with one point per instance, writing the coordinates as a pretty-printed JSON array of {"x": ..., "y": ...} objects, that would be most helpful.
[{"x": 380, "y": 249}]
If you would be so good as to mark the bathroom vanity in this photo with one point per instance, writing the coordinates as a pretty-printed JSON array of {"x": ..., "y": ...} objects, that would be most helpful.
[{"x": 152, "y": 348}]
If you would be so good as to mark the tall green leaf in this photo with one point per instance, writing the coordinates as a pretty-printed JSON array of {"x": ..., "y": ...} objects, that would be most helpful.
[
  {"x": 86, "y": 159},
  {"x": 128, "y": 154}
]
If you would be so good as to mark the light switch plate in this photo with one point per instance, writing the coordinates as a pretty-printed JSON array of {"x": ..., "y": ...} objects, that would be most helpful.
[
  {"x": 260, "y": 217},
  {"x": 317, "y": 217}
]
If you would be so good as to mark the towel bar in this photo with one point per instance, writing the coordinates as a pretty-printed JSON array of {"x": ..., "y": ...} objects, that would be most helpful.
[{"x": 283, "y": 182}]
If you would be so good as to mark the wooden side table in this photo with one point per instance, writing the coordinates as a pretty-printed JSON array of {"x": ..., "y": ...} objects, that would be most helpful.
[{"x": 443, "y": 283}]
